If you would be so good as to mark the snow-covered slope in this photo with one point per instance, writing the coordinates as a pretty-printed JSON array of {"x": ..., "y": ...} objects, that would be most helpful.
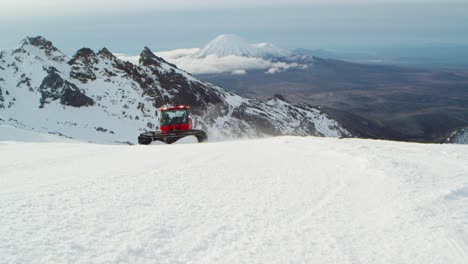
[
  {"x": 233, "y": 54},
  {"x": 100, "y": 98},
  {"x": 17, "y": 134},
  {"x": 278, "y": 200},
  {"x": 459, "y": 137}
]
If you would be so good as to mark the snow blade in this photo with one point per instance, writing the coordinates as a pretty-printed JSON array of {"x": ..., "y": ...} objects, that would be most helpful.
[{"x": 171, "y": 137}]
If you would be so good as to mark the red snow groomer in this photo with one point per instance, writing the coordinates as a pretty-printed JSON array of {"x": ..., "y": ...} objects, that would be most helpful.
[{"x": 175, "y": 123}]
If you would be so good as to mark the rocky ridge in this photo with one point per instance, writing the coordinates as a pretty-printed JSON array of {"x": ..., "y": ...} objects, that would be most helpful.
[{"x": 92, "y": 94}]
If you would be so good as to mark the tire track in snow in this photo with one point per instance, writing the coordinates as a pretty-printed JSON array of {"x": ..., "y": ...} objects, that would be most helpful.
[
  {"x": 280, "y": 200},
  {"x": 421, "y": 188}
]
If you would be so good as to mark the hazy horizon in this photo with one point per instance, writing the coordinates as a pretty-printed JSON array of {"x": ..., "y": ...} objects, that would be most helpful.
[{"x": 329, "y": 26}]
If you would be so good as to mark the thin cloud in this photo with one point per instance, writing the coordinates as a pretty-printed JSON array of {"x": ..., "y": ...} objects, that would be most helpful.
[
  {"x": 232, "y": 64},
  {"x": 214, "y": 64},
  {"x": 239, "y": 72}
]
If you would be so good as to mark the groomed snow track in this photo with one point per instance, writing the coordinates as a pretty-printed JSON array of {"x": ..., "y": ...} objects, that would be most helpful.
[{"x": 277, "y": 200}]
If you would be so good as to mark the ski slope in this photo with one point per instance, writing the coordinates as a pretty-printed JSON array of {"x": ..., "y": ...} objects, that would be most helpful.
[{"x": 275, "y": 200}]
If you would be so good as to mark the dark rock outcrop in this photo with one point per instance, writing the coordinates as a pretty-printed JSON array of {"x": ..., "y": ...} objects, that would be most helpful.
[
  {"x": 148, "y": 58},
  {"x": 85, "y": 56},
  {"x": 53, "y": 87},
  {"x": 260, "y": 121},
  {"x": 106, "y": 54},
  {"x": 45, "y": 45},
  {"x": 72, "y": 96},
  {"x": 2, "y": 99},
  {"x": 82, "y": 65},
  {"x": 280, "y": 97},
  {"x": 173, "y": 82}
]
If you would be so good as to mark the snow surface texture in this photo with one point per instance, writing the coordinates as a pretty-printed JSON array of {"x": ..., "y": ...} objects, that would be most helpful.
[
  {"x": 277, "y": 200},
  {"x": 229, "y": 53},
  {"x": 98, "y": 98},
  {"x": 10, "y": 133}
]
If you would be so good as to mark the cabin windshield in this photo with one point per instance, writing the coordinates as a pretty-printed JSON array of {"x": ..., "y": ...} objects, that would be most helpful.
[{"x": 174, "y": 117}]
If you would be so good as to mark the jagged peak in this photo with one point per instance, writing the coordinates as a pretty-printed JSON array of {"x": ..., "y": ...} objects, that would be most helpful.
[
  {"x": 106, "y": 53},
  {"x": 43, "y": 44},
  {"x": 277, "y": 97},
  {"x": 148, "y": 51},
  {"x": 86, "y": 55},
  {"x": 147, "y": 58},
  {"x": 85, "y": 52},
  {"x": 146, "y": 54},
  {"x": 280, "y": 97},
  {"x": 38, "y": 41}
]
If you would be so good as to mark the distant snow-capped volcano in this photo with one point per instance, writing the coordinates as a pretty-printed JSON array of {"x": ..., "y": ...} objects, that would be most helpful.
[
  {"x": 230, "y": 53},
  {"x": 233, "y": 45}
]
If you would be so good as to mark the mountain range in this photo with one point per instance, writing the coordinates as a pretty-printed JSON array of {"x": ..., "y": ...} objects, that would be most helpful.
[
  {"x": 373, "y": 100},
  {"x": 424, "y": 56},
  {"x": 96, "y": 97}
]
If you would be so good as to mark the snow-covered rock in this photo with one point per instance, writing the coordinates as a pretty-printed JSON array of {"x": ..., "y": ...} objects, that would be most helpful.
[
  {"x": 100, "y": 98},
  {"x": 459, "y": 137}
]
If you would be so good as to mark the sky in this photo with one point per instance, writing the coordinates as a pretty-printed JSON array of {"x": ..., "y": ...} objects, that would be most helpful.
[{"x": 128, "y": 26}]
